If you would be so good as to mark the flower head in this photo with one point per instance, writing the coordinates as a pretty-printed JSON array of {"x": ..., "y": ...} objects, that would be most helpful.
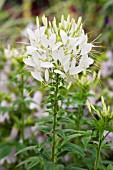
[
  {"x": 61, "y": 49},
  {"x": 105, "y": 115}
]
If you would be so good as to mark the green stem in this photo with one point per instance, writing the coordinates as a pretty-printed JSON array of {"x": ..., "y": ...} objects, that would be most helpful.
[
  {"x": 97, "y": 156},
  {"x": 55, "y": 110},
  {"x": 22, "y": 107}
]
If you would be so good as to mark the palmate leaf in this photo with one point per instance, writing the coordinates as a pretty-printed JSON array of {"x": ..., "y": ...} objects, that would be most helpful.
[
  {"x": 72, "y": 167},
  {"x": 85, "y": 141},
  {"x": 49, "y": 165},
  {"x": 71, "y": 137},
  {"x": 43, "y": 128},
  {"x": 33, "y": 163},
  {"x": 72, "y": 148},
  {"x": 5, "y": 149},
  {"x": 110, "y": 167},
  {"x": 26, "y": 149},
  {"x": 60, "y": 133},
  {"x": 29, "y": 160},
  {"x": 2, "y": 3}
]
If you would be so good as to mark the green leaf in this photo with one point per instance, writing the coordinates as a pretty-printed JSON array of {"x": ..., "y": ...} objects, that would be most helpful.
[
  {"x": 85, "y": 141},
  {"x": 5, "y": 149},
  {"x": 49, "y": 165},
  {"x": 110, "y": 167},
  {"x": 71, "y": 137},
  {"x": 109, "y": 128},
  {"x": 44, "y": 128},
  {"x": 70, "y": 147},
  {"x": 72, "y": 167},
  {"x": 60, "y": 167},
  {"x": 26, "y": 149},
  {"x": 33, "y": 163},
  {"x": 60, "y": 133},
  {"x": 31, "y": 159}
]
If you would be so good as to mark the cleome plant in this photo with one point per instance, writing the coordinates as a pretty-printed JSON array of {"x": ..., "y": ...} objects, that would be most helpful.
[{"x": 60, "y": 57}]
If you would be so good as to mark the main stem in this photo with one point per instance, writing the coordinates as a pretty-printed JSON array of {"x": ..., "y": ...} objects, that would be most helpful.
[
  {"x": 55, "y": 110},
  {"x": 97, "y": 156},
  {"x": 22, "y": 113}
]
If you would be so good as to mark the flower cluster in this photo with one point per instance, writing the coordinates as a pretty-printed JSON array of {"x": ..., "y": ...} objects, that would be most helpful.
[
  {"x": 61, "y": 49},
  {"x": 105, "y": 114}
]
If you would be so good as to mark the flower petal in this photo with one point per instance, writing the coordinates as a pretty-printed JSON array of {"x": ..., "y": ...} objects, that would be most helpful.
[
  {"x": 85, "y": 61},
  {"x": 44, "y": 41},
  {"x": 37, "y": 75},
  {"x": 46, "y": 75},
  {"x": 86, "y": 48},
  {"x": 63, "y": 36},
  {"x": 56, "y": 46},
  {"x": 31, "y": 34},
  {"x": 29, "y": 61},
  {"x": 46, "y": 65},
  {"x": 52, "y": 40},
  {"x": 76, "y": 70},
  {"x": 59, "y": 72}
]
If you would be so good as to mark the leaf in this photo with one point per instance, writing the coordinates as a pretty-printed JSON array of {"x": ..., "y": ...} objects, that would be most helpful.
[
  {"x": 72, "y": 167},
  {"x": 85, "y": 141},
  {"x": 49, "y": 165},
  {"x": 5, "y": 149},
  {"x": 110, "y": 167},
  {"x": 32, "y": 164},
  {"x": 60, "y": 133},
  {"x": 2, "y": 3},
  {"x": 71, "y": 137},
  {"x": 43, "y": 128},
  {"x": 70, "y": 147},
  {"x": 28, "y": 160},
  {"x": 26, "y": 149},
  {"x": 109, "y": 128},
  {"x": 60, "y": 167}
]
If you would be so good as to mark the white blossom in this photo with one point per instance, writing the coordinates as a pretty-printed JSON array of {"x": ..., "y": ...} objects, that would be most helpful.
[{"x": 61, "y": 49}]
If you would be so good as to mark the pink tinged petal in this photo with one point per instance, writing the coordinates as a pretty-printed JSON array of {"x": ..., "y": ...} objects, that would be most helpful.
[
  {"x": 37, "y": 75},
  {"x": 46, "y": 75},
  {"x": 86, "y": 48},
  {"x": 29, "y": 61},
  {"x": 64, "y": 36},
  {"x": 76, "y": 70},
  {"x": 52, "y": 40},
  {"x": 46, "y": 65}
]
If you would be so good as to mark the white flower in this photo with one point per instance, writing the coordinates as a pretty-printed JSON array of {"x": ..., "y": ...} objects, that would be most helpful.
[
  {"x": 61, "y": 49},
  {"x": 46, "y": 75},
  {"x": 85, "y": 62},
  {"x": 37, "y": 75}
]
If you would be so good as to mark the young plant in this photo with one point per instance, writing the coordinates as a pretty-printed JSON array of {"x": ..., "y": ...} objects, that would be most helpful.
[
  {"x": 56, "y": 54},
  {"x": 102, "y": 121}
]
